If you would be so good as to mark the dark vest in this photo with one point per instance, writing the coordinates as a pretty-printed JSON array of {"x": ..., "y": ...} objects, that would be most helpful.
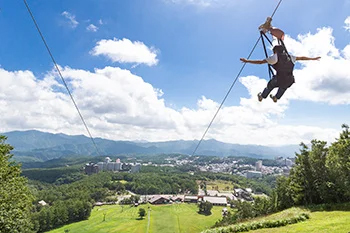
[{"x": 284, "y": 68}]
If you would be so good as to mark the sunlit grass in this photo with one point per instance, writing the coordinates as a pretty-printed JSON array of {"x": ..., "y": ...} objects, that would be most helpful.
[
  {"x": 319, "y": 222},
  {"x": 223, "y": 185},
  {"x": 164, "y": 218}
]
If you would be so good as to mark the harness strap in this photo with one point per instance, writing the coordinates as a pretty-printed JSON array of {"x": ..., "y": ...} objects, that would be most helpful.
[
  {"x": 262, "y": 35},
  {"x": 280, "y": 42}
]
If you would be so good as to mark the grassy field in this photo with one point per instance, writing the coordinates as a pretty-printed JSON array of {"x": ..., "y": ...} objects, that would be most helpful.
[
  {"x": 319, "y": 222},
  {"x": 222, "y": 185},
  {"x": 175, "y": 218}
]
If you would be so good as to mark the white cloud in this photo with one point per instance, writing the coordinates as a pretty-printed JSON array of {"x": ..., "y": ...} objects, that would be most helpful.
[
  {"x": 347, "y": 24},
  {"x": 327, "y": 80},
  {"x": 72, "y": 22},
  {"x": 126, "y": 51},
  {"x": 92, "y": 28},
  {"x": 119, "y": 105},
  {"x": 100, "y": 22},
  {"x": 346, "y": 52}
]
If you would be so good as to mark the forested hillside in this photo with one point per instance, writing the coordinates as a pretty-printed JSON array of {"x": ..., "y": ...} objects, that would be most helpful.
[
  {"x": 320, "y": 176},
  {"x": 38, "y": 146}
]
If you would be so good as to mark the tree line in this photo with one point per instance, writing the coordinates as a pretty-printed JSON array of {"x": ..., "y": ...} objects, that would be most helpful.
[{"x": 321, "y": 175}]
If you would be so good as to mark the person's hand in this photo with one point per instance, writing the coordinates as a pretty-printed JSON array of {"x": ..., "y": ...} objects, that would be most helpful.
[
  {"x": 243, "y": 60},
  {"x": 317, "y": 58}
]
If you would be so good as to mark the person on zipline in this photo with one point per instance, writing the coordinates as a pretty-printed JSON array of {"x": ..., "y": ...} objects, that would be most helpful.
[{"x": 283, "y": 63}]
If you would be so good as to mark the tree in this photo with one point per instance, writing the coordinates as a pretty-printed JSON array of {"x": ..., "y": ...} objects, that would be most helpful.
[
  {"x": 318, "y": 157},
  {"x": 244, "y": 210},
  {"x": 321, "y": 174},
  {"x": 301, "y": 178},
  {"x": 205, "y": 208},
  {"x": 262, "y": 206},
  {"x": 15, "y": 197},
  {"x": 142, "y": 213},
  {"x": 281, "y": 198},
  {"x": 338, "y": 164}
]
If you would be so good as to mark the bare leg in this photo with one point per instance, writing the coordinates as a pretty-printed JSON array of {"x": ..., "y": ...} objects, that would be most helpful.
[{"x": 278, "y": 33}]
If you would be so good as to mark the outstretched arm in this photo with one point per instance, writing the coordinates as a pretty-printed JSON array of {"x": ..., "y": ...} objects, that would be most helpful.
[
  {"x": 307, "y": 58},
  {"x": 253, "y": 61}
]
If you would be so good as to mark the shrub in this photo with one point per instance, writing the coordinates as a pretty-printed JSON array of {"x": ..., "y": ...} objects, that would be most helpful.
[{"x": 260, "y": 224}]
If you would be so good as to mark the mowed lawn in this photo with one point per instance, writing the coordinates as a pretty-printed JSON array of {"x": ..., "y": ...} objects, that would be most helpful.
[
  {"x": 163, "y": 218},
  {"x": 222, "y": 185},
  {"x": 117, "y": 219},
  {"x": 319, "y": 222},
  {"x": 181, "y": 218}
]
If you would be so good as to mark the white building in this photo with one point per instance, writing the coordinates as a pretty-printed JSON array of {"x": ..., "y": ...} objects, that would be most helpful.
[
  {"x": 117, "y": 166},
  {"x": 258, "y": 165},
  {"x": 110, "y": 166},
  {"x": 42, "y": 202},
  {"x": 216, "y": 200},
  {"x": 101, "y": 166},
  {"x": 212, "y": 192},
  {"x": 108, "y": 160},
  {"x": 135, "y": 168}
]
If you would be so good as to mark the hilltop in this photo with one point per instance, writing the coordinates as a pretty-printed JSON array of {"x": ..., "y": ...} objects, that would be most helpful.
[{"x": 35, "y": 145}]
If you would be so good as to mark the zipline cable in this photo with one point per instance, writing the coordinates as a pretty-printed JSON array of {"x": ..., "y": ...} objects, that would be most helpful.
[
  {"x": 234, "y": 82},
  {"x": 60, "y": 74}
]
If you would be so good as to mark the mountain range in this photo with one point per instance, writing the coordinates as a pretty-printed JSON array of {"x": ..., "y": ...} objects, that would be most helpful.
[{"x": 35, "y": 145}]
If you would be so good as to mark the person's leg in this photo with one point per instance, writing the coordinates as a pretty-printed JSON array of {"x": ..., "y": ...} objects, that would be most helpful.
[
  {"x": 280, "y": 92},
  {"x": 278, "y": 95},
  {"x": 270, "y": 86}
]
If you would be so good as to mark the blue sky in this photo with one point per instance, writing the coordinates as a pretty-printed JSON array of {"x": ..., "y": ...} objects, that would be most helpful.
[{"x": 166, "y": 64}]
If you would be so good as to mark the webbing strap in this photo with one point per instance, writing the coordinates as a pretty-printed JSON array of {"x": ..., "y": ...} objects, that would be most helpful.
[
  {"x": 280, "y": 42},
  {"x": 262, "y": 35}
]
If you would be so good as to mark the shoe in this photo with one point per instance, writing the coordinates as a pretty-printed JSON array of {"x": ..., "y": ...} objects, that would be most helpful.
[
  {"x": 260, "y": 98},
  {"x": 274, "y": 98}
]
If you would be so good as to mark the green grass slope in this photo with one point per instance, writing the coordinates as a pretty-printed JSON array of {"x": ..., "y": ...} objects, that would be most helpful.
[
  {"x": 319, "y": 222},
  {"x": 337, "y": 220},
  {"x": 181, "y": 218},
  {"x": 176, "y": 218}
]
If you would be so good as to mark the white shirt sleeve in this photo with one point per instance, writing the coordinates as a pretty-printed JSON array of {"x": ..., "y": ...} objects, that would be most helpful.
[
  {"x": 272, "y": 59},
  {"x": 294, "y": 58}
]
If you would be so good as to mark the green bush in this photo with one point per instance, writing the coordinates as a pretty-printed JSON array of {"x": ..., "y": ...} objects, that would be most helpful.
[{"x": 243, "y": 227}]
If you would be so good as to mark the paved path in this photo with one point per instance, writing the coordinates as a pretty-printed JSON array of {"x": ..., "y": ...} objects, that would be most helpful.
[{"x": 149, "y": 219}]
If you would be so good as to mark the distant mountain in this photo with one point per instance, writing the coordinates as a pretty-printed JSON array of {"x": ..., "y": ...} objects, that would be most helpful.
[
  {"x": 34, "y": 145},
  {"x": 33, "y": 139}
]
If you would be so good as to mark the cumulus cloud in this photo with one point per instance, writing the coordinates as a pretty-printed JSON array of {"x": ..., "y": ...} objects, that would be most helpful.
[
  {"x": 326, "y": 80},
  {"x": 126, "y": 51},
  {"x": 347, "y": 24},
  {"x": 92, "y": 28},
  {"x": 72, "y": 22},
  {"x": 117, "y": 104},
  {"x": 120, "y": 105}
]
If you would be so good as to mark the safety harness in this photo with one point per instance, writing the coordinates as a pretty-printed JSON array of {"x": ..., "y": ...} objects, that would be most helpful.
[{"x": 263, "y": 29}]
